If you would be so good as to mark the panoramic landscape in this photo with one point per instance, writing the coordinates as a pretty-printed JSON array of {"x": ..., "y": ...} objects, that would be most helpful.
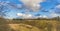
[{"x": 29, "y": 15}]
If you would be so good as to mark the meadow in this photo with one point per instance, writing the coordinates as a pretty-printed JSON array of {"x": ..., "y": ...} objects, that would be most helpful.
[{"x": 29, "y": 25}]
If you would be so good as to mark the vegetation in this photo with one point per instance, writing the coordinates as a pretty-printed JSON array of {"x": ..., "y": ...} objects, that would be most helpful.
[{"x": 28, "y": 24}]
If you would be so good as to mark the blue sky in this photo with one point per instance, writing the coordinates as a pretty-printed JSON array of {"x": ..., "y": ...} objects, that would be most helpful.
[{"x": 48, "y": 8}]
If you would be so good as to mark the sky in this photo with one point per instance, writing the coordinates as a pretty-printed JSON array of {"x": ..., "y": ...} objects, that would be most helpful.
[{"x": 30, "y": 8}]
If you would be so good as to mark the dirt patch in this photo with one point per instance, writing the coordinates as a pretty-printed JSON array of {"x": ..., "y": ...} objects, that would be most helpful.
[{"x": 23, "y": 27}]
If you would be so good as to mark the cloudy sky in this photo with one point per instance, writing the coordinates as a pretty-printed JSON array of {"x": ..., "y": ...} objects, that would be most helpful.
[{"x": 30, "y": 8}]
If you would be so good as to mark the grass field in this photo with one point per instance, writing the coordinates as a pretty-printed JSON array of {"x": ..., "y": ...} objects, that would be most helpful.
[{"x": 30, "y": 25}]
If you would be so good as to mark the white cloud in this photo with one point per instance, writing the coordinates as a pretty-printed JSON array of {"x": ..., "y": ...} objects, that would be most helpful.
[
  {"x": 19, "y": 14},
  {"x": 32, "y": 4},
  {"x": 32, "y": 1},
  {"x": 55, "y": 12},
  {"x": 43, "y": 16},
  {"x": 30, "y": 16},
  {"x": 58, "y": 6},
  {"x": 25, "y": 16},
  {"x": 57, "y": 9},
  {"x": 52, "y": 15}
]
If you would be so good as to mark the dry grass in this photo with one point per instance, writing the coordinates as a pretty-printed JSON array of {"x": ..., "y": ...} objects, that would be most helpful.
[{"x": 28, "y": 25}]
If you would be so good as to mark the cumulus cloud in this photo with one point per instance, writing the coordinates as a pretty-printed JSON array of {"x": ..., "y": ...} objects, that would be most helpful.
[
  {"x": 32, "y": 4},
  {"x": 25, "y": 16}
]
